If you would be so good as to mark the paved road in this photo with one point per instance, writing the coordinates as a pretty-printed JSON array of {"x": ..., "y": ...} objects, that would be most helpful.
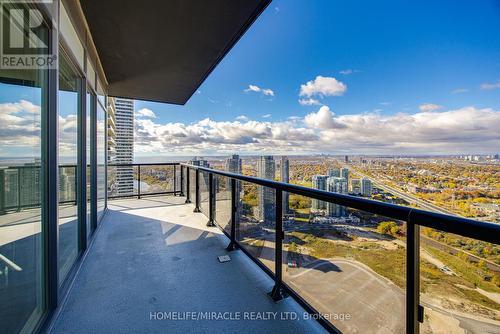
[{"x": 348, "y": 287}]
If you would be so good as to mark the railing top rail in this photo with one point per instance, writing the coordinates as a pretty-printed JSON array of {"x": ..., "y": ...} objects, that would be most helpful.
[
  {"x": 485, "y": 231},
  {"x": 145, "y": 164}
]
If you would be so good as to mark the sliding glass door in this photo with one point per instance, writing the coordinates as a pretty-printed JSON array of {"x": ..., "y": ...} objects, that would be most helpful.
[
  {"x": 69, "y": 97},
  {"x": 23, "y": 112}
]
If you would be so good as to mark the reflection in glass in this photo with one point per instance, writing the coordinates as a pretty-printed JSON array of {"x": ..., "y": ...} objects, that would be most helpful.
[
  {"x": 68, "y": 148},
  {"x": 101, "y": 159},
  {"x": 88, "y": 133},
  {"x": 21, "y": 113}
]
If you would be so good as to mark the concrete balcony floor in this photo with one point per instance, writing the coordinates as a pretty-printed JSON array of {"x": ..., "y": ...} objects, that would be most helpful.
[{"x": 155, "y": 255}]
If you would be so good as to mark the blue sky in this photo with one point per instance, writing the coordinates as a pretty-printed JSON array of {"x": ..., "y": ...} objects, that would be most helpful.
[
  {"x": 393, "y": 57},
  {"x": 407, "y": 53},
  {"x": 384, "y": 77}
]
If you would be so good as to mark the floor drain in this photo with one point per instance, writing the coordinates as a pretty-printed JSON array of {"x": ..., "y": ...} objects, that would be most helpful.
[{"x": 224, "y": 258}]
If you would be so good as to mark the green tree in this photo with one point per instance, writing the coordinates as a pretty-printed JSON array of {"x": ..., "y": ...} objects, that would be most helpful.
[{"x": 388, "y": 227}]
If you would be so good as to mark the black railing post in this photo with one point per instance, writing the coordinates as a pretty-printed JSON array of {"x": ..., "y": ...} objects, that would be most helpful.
[
  {"x": 278, "y": 292},
  {"x": 414, "y": 312},
  {"x": 19, "y": 191},
  {"x": 197, "y": 192},
  {"x": 175, "y": 181},
  {"x": 188, "y": 186},
  {"x": 3, "y": 195},
  {"x": 211, "y": 201},
  {"x": 182, "y": 180},
  {"x": 234, "y": 206},
  {"x": 139, "y": 181}
]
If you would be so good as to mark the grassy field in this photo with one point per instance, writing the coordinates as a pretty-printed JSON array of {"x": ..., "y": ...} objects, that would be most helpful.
[
  {"x": 387, "y": 263},
  {"x": 391, "y": 264}
]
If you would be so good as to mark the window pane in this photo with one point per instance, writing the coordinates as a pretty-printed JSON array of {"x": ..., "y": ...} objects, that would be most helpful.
[
  {"x": 68, "y": 148},
  {"x": 21, "y": 112},
  {"x": 88, "y": 148},
  {"x": 101, "y": 159}
]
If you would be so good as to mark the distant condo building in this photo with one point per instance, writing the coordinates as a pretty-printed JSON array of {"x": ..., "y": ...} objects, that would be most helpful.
[
  {"x": 199, "y": 161},
  {"x": 356, "y": 186},
  {"x": 319, "y": 182},
  {"x": 67, "y": 184},
  {"x": 366, "y": 187},
  {"x": 233, "y": 165},
  {"x": 20, "y": 187},
  {"x": 336, "y": 185},
  {"x": 334, "y": 172},
  {"x": 344, "y": 172},
  {"x": 285, "y": 177},
  {"x": 267, "y": 208},
  {"x": 124, "y": 146}
]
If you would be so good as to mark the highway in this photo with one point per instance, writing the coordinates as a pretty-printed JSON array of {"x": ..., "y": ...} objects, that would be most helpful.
[{"x": 402, "y": 194}]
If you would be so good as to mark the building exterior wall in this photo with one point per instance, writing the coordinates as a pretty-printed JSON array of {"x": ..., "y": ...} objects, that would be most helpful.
[
  {"x": 267, "y": 208},
  {"x": 124, "y": 146}
]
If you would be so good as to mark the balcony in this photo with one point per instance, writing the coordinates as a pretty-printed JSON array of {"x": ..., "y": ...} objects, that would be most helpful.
[
  {"x": 153, "y": 256},
  {"x": 162, "y": 244}
]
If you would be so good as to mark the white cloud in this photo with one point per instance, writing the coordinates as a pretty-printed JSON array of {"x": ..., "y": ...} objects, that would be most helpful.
[
  {"x": 467, "y": 129},
  {"x": 490, "y": 86},
  {"x": 385, "y": 103},
  {"x": 426, "y": 107},
  {"x": 459, "y": 91},
  {"x": 145, "y": 112},
  {"x": 454, "y": 131},
  {"x": 266, "y": 115},
  {"x": 346, "y": 72},
  {"x": 323, "y": 86},
  {"x": 309, "y": 102},
  {"x": 322, "y": 119},
  {"x": 257, "y": 89},
  {"x": 242, "y": 118}
]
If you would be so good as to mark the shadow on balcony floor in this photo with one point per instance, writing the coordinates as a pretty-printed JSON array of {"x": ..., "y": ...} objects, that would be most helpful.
[{"x": 156, "y": 255}]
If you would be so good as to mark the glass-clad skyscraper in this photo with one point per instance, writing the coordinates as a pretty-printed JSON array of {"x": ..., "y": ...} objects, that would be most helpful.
[{"x": 266, "y": 169}]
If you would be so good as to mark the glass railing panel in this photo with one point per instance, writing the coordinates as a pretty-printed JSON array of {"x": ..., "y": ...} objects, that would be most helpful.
[
  {"x": 256, "y": 225},
  {"x": 111, "y": 186},
  {"x": 184, "y": 180},
  {"x": 192, "y": 185},
  {"x": 459, "y": 283},
  {"x": 348, "y": 264},
  {"x": 157, "y": 179},
  {"x": 204, "y": 193},
  {"x": 122, "y": 181},
  {"x": 222, "y": 187}
]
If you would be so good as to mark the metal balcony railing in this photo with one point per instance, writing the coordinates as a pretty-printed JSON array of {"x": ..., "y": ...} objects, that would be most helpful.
[
  {"x": 204, "y": 181},
  {"x": 164, "y": 179},
  {"x": 217, "y": 194}
]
